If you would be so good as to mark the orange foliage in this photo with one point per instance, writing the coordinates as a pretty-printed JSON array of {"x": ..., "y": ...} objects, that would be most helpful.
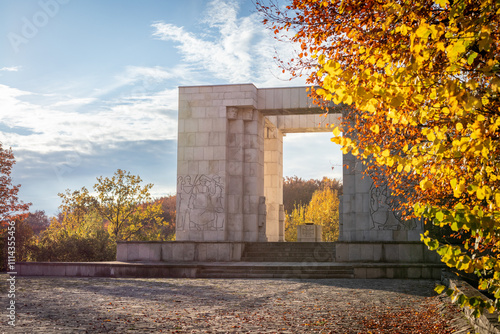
[{"x": 10, "y": 206}]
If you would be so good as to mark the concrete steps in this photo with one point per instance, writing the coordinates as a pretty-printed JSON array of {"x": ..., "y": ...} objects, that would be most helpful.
[
  {"x": 309, "y": 252},
  {"x": 277, "y": 270}
]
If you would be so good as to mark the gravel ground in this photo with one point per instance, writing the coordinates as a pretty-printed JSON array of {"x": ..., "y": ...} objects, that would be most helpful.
[{"x": 128, "y": 305}]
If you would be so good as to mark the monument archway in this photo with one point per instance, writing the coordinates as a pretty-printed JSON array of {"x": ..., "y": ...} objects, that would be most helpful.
[{"x": 230, "y": 168}]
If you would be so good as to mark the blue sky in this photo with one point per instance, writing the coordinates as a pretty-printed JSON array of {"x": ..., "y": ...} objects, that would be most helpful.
[{"x": 87, "y": 87}]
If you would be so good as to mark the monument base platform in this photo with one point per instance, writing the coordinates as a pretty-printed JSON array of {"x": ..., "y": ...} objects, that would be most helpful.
[
  {"x": 254, "y": 260},
  {"x": 189, "y": 251},
  {"x": 278, "y": 270}
]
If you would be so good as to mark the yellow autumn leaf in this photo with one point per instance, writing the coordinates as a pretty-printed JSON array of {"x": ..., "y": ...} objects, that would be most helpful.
[
  {"x": 404, "y": 29},
  {"x": 497, "y": 200},
  {"x": 453, "y": 183},
  {"x": 423, "y": 31},
  {"x": 396, "y": 102},
  {"x": 425, "y": 184},
  {"x": 480, "y": 193},
  {"x": 442, "y": 3},
  {"x": 333, "y": 68},
  {"x": 348, "y": 99},
  {"x": 431, "y": 136},
  {"x": 336, "y": 131},
  {"x": 370, "y": 107}
]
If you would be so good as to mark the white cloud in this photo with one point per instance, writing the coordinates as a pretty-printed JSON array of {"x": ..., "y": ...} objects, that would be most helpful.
[
  {"x": 75, "y": 102},
  {"x": 146, "y": 79},
  {"x": 155, "y": 73},
  {"x": 10, "y": 69},
  {"x": 234, "y": 49},
  {"x": 57, "y": 127},
  {"x": 161, "y": 101}
]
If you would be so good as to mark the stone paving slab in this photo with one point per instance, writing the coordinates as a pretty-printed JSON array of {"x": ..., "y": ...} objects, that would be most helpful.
[{"x": 168, "y": 305}]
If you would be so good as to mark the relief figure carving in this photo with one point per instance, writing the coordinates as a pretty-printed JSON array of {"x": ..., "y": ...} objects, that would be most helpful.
[
  {"x": 384, "y": 213},
  {"x": 201, "y": 202}
]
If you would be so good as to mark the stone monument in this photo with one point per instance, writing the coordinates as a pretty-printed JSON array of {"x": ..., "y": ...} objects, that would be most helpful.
[
  {"x": 230, "y": 181},
  {"x": 230, "y": 162},
  {"x": 230, "y": 199}
]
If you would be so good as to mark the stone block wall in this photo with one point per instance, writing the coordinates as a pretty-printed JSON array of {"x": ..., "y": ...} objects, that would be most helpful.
[
  {"x": 245, "y": 165},
  {"x": 175, "y": 251},
  {"x": 366, "y": 211},
  {"x": 384, "y": 252}
]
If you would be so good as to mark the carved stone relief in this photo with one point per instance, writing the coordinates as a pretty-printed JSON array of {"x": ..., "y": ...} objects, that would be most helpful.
[
  {"x": 383, "y": 212},
  {"x": 201, "y": 202}
]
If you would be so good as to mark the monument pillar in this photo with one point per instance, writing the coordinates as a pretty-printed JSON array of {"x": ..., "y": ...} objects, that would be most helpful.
[
  {"x": 273, "y": 182},
  {"x": 245, "y": 173}
]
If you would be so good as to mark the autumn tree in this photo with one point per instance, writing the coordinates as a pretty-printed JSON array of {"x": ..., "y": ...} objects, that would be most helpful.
[
  {"x": 27, "y": 227},
  {"x": 423, "y": 82},
  {"x": 24, "y": 242},
  {"x": 78, "y": 233},
  {"x": 38, "y": 221},
  {"x": 74, "y": 208},
  {"x": 63, "y": 241},
  {"x": 293, "y": 219},
  {"x": 11, "y": 208},
  {"x": 168, "y": 212},
  {"x": 10, "y": 205},
  {"x": 122, "y": 201},
  {"x": 89, "y": 224},
  {"x": 297, "y": 191},
  {"x": 322, "y": 209}
]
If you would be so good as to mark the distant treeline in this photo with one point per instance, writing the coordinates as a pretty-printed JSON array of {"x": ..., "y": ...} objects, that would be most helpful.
[
  {"x": 297, "y": 191},
  {"x": 82, "y": 233},
  {"x": 62, "y": 238},
  {"x": 311, "y": 202}
]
